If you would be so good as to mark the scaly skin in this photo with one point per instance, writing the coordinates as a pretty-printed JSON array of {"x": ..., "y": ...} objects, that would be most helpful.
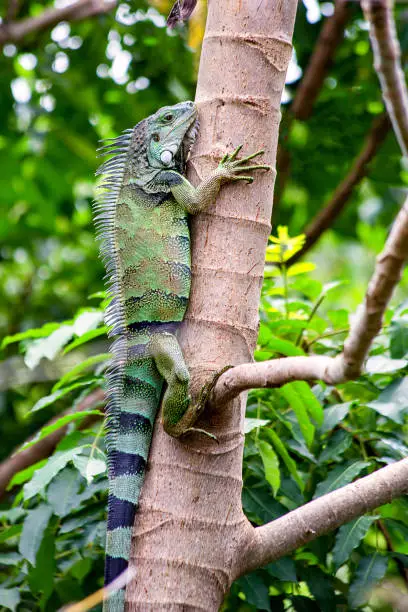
[{"x": 142, "y": 222}]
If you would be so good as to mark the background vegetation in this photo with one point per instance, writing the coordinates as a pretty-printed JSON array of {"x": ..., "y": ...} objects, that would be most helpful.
[{"x": 61, "y": 91}]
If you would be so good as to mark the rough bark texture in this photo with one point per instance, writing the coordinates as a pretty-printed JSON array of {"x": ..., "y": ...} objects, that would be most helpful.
[{"x": 190, "y": 518}]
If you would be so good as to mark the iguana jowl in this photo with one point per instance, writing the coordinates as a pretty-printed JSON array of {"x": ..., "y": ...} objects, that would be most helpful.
[{"x": 142, "y": 220}]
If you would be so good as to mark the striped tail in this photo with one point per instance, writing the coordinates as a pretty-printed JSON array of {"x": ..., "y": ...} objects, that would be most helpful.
[{"x": 135, "y": 391}]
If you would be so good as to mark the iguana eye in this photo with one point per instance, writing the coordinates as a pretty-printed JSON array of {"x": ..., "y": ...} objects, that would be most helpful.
[
  {"x": 168, "y": 117},
  {"x": 156, "y": 137}
]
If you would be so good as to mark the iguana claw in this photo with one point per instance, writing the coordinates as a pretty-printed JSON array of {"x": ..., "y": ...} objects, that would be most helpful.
[
  {"x": 203, "y": 398},
  {"x": 229, "y": 165}
]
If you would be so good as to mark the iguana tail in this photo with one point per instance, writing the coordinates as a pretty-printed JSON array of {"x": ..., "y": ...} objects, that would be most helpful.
[{"x": 135, "y": 389}]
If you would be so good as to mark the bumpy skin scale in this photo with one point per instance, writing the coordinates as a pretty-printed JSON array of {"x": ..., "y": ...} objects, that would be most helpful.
[{"x": 142, "y": 223}]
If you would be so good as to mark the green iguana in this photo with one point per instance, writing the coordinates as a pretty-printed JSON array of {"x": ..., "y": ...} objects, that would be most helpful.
[{"x": 142, "y": 222}]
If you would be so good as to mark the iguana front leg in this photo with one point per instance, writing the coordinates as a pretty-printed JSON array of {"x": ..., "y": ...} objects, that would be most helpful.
[{"x": 196, "y": 199}]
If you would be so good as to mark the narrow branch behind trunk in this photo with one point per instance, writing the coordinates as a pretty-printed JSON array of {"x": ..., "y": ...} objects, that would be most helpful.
[
  {"x": 16, "y": 31},
  {"x": 190, "y": 516},
  {"x": 332, "y": 209},
  {"x": 329, "y": 39}
]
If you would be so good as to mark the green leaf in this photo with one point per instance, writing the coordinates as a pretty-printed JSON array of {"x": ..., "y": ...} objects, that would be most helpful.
[
  {"x": 349, "y": 537},
  {"x": 49, "y": 429},
  {"x": 87, "y": 321},
  {"x": 380, "y": 364},
  {"x": 399, "y": 337},
  {"x": 369, "y": 572},
  {"x": 79, "y": 368},
  {"x": 309, "y": 287},
  {"x": 271, "y": 464},
  {"x": 341, "y": 475},
  {"x": 94, "y": 333},
  {"x": 287, "y": 459},
  {"x": 335, "y": 414},
  {"x": 284, "y": 347},
  {"x": 260, "y": 502},
  {"x": 53, "y": 397},
  {"x": 89, "y": 467},
  {"x": 41, "y": 576},
  {"x": 321, "y": 587},
  {"x": 289, "y": 392},
  {"x": 339, "y": 318},
  {"x": 10, "y": 532},
  {"x": 10, "y": 558},
  {"x": 62, "y": 491},
  {"x": 25, "y": 475},
  {"x": 251, "y": 424},
  {"x": 338, "y": 443},
  {"x": 304, "y": 604},
  {"x": 283, "y": 569},
  {"x": 256, "y": 591},
  {"x": 392, "y": 402},
  {"x": 12, "y": 515},
  {"x": 327, "y": 287},
  {"x": 49, "y": 347},
  {"x": 81, "y": 569},
  {"x": 34, "y": 527},
  {"x": 301, "y": 268},
  {"x": 39, "y": 332},
  {"x": 44, "y": 475},
  {"x": 310, "y": 401},
  {"x": 9, "y": 598}
]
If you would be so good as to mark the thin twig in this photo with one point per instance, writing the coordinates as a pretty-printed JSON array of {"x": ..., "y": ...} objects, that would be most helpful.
[
  {"x": 401, "y": 567},
  {"x": 329, "y": 38},
  {"x": 12, "y": 10},
  {"x": 15, "y": 31},
  {"x": 333, "y": 208},
  {"x": 387, "y": 62}
]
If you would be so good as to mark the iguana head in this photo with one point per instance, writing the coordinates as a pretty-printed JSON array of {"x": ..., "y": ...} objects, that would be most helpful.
[
  {"x": 171, "y": 132},
  {"x": 160, "y": 142}
]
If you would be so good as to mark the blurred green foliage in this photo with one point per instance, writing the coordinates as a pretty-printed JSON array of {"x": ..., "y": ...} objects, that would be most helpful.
[{"x": 62, "y": 91}]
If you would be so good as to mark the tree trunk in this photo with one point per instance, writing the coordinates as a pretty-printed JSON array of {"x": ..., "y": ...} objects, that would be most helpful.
[{"x": 190, "y": 524}]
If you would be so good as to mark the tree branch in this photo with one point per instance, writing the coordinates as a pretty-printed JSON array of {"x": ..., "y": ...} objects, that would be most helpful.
[
  {"x": 365, "y": 326},
  {"x": 329, "y": 38},
  {"x": 329, "y": 213},
  {"x": 44, "y": 447},
  {"x": 283, "y": 535},
  {"x": 15, "y": 31},
  {"x": 387, "y": 63}
]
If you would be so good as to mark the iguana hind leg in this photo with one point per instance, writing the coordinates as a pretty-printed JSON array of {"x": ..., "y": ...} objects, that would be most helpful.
[{"x": 179, "y": 413}]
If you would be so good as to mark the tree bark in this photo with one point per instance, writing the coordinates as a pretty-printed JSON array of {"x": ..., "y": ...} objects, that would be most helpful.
[{"x": 190, "y": 518}]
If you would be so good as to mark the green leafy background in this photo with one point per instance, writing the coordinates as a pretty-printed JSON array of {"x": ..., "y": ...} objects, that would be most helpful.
[{"x": 61, "y": 92}]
